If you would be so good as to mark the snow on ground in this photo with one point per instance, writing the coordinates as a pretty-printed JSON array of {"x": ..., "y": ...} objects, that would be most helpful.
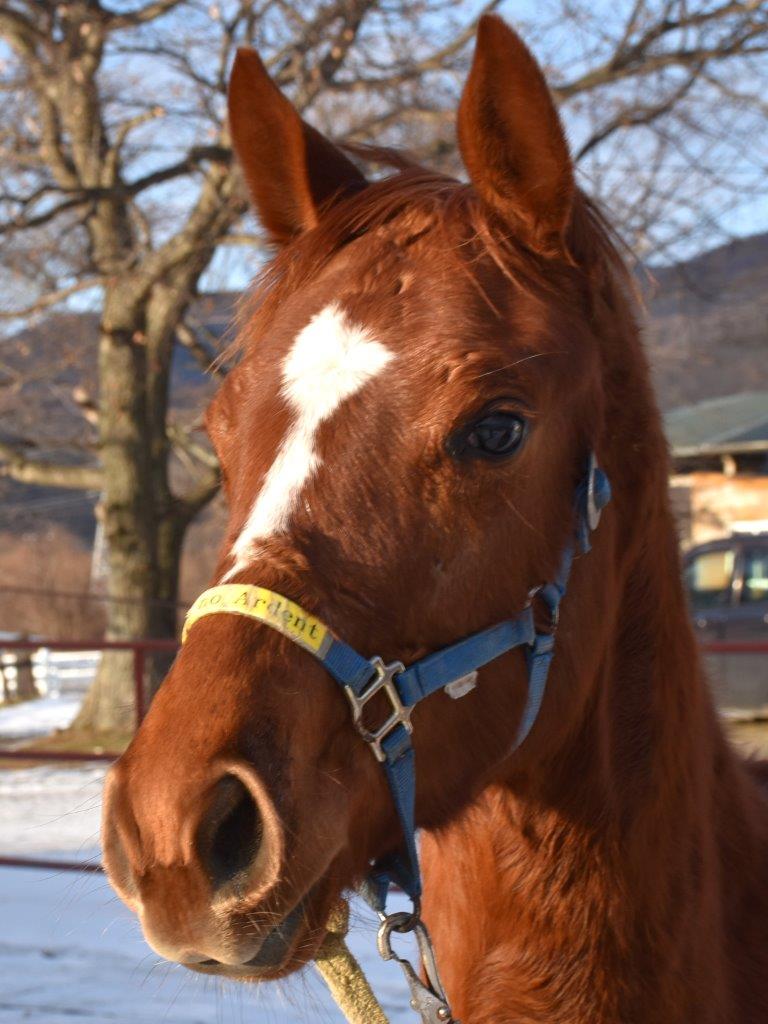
[
  {"x": 71, "y": 953},
  {"x": 38, "y": 717},
  {"x": 51, "y": 810}
]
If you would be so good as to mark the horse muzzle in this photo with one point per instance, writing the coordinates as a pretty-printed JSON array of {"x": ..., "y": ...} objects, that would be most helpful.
[{"x": 203, "y": 874}]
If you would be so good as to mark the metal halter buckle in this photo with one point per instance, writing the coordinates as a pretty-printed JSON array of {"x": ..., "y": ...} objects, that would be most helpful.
[{"x": 401, "y": 715}]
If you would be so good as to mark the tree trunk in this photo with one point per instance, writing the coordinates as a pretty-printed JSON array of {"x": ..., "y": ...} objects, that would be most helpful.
[
  {"x": 144, "y": 524},
  {"x": 171, "y": 531},
  {"x": 26, "y": 687},
  {"x": 128, "y": 513}
]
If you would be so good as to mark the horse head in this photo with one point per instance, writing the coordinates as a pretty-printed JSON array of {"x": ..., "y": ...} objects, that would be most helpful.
[{"x": 424, "y": 373}]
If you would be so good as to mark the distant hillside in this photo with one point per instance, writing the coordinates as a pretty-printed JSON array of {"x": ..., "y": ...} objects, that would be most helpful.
[
  {"x": 706, "y": 332},
  {"x": 41, "y": 369},
  {"x": 707, "y": 328}
]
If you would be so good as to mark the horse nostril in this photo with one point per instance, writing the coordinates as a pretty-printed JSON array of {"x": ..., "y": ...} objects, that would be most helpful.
[{"x": 230, "y": 833}]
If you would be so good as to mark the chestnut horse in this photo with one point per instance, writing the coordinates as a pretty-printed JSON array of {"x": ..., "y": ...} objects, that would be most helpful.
[{"x": 427, "y": 366}]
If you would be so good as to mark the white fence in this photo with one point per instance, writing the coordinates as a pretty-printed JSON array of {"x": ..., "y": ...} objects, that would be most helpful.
[{"x": 56, "y": 673}]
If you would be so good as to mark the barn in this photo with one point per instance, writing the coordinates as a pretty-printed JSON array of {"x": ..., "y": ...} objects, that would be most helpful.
[{"x": 719, "y": 451}]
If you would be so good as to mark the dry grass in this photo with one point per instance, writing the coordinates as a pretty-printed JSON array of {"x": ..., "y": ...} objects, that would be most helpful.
[
  {"x": 67, "y": 741},
  {"x": 48, "y": 560},
  {"x": 201, "y": 548}
]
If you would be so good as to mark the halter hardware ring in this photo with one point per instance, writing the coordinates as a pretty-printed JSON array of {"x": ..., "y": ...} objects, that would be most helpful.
[
  {"x": 401, "y": 714},
  {"x": 401, "y": 922},
  {"x": 554, "y": 613}
]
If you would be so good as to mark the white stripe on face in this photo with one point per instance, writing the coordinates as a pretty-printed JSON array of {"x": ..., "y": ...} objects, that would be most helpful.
[{"x": 330, "y": 360}]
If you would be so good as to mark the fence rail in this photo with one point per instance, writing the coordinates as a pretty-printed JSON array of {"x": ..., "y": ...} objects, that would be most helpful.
[
  {"x": 734, "y": 647},
  {"x": 140, "y": 649}
]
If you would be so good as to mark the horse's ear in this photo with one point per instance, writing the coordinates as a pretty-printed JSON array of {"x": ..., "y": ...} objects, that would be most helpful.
[
  {"x": 511, "y": 138},
  {"x": 291, "y": 170}
]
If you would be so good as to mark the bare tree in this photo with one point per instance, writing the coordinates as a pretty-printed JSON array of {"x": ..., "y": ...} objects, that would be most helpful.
[
  {"x": 118, "y": 185},
  {"x": 118, "y": 194},
  {"x": 665, "y": 100}
]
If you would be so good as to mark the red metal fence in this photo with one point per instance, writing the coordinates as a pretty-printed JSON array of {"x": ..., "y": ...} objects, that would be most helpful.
[
  {"x": 735, "y": 647},
  {"x": 140, "y": 649}
]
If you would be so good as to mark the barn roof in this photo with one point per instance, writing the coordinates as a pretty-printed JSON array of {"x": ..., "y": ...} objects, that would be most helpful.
[{"x": 720, "y": 426}]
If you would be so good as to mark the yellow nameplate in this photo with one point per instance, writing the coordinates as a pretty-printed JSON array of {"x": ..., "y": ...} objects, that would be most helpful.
[{"x": 265, "y": 606}]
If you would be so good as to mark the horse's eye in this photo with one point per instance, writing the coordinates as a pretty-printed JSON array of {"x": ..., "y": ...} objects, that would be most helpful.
[{"x": 496, "y": 435}]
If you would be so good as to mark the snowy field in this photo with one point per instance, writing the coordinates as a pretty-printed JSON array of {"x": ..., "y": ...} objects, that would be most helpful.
[
  {"x": 38, "y": 717},
  {"x": 70, "y": 953}
]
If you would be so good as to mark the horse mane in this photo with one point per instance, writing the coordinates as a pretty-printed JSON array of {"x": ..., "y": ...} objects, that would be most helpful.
[{"x": 431, "y": 201}]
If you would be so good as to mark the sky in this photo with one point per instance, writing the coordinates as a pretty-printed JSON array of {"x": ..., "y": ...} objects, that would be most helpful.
[{"x": 691, "y": 216}]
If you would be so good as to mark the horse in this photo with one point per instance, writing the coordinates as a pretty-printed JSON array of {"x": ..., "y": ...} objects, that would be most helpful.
[{"x": 427, "y": 366}]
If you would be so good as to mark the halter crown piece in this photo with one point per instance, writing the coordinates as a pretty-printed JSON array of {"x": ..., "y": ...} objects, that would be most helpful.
[{"x": 362, "y": 678}]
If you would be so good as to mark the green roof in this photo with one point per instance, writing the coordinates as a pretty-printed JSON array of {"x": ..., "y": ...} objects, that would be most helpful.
[{"x": 735, "y": 423}]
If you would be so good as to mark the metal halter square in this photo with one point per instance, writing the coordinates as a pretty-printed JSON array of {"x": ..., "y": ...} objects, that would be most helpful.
[{"x": 383, "y": 680}]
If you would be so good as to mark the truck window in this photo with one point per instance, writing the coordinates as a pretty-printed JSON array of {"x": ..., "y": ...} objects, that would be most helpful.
[
  {"x": 755, "y": 575},
  {"x": 709, "y": 578}
]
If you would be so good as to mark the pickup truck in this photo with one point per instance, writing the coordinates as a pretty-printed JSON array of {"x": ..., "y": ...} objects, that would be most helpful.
[{"x": 727, "y": 583}]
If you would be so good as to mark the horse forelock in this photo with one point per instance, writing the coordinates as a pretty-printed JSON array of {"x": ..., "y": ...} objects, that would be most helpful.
[{"x": 411, "y": 204}]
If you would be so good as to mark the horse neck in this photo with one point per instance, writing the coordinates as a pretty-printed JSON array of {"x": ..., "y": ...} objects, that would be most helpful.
[{"x": 647, "y": 777}]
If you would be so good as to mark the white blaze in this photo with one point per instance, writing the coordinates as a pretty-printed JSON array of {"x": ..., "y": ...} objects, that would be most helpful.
[{"x": 330, "y": 360}]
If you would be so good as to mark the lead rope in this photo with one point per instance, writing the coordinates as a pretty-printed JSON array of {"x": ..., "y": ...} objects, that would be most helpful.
[
  {"x": 351, "y": 989},
  {"x": 343, "y": 974}
]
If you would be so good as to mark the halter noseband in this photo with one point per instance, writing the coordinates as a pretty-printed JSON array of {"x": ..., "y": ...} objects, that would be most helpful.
[{"x": 362, "y": 678}]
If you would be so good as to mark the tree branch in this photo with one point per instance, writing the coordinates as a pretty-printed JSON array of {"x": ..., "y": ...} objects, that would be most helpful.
[
  {"x": 196, "y": 500},
  {"x": 17, "y": 466},
  {"x": 50, "y": 299},
  {"x": 19, "y": 32},
  {"x": 182, "y": 440},
  {"x": 194, "y": 158},
  {"x": 80, "y": 196},
  {"x": 435, "y": 61},
  {"x": 150, "y": 12},
  {"x": 635, "y": 59},
  {"x": 206, "y": 358},
  {"x": 640, "y": 114},
  {"x": 39, "y": 219}
]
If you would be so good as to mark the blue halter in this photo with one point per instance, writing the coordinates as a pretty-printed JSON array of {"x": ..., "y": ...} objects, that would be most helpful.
[
  {"x": 363, "y": 678},
  {"x": 453, "y": 668}
]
